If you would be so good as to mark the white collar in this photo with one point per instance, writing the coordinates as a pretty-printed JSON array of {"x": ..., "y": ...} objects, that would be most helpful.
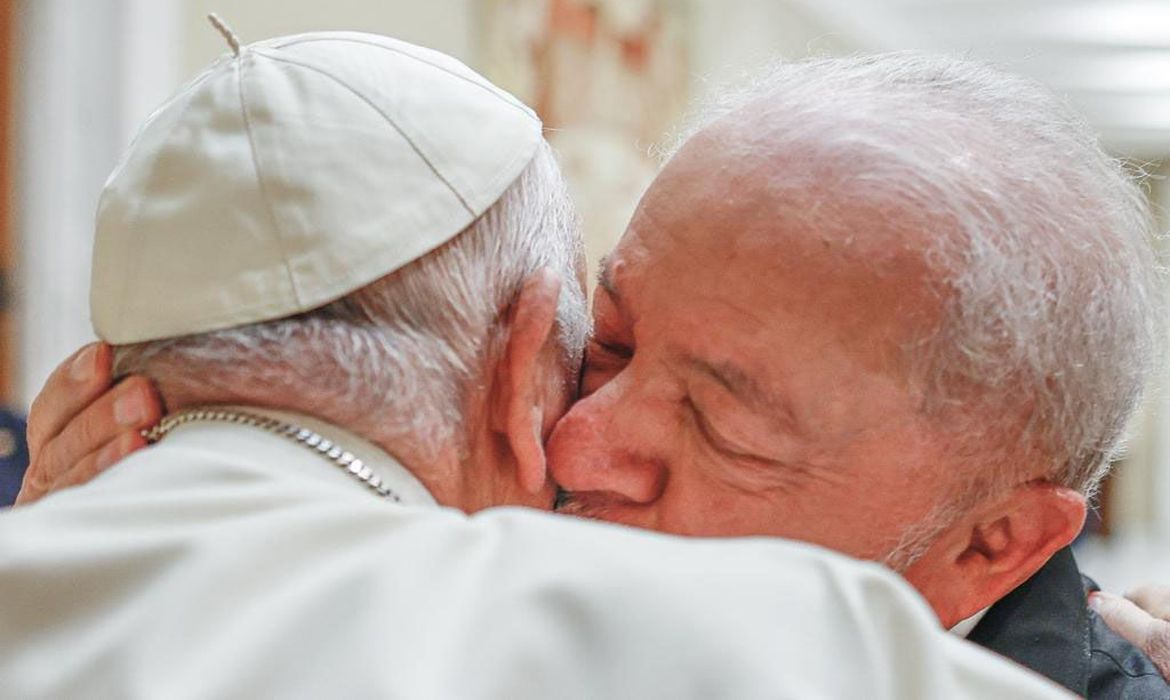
[
  {"x": 395, "y": 476},
  {"x": 964, "y": 627}
]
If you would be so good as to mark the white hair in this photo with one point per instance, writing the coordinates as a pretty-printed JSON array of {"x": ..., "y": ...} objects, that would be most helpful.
[
  {"x": 1042, "y": 245},
  {"x": 398, "y": 358}
]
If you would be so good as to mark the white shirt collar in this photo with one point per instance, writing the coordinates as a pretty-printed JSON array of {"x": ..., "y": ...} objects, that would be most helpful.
[{"x": 964, "y": 627}]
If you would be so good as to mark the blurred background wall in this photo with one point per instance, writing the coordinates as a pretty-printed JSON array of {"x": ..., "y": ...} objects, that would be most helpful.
[{"x": 610, "y": 78}]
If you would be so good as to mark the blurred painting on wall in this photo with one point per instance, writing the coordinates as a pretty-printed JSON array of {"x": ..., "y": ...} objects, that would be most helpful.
[{"x": 609, "y": 78}]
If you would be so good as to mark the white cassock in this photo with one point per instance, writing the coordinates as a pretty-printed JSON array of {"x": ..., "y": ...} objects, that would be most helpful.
[{"x": 229, "y": 562}]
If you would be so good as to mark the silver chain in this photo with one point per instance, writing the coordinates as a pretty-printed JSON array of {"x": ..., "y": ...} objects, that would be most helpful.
[{"x": 303, "y": 436}]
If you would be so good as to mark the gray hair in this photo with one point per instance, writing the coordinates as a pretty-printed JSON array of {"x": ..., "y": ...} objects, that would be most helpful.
[
  {"x": 1043, "y": 246},
  {"x": 398, "y": 358}
]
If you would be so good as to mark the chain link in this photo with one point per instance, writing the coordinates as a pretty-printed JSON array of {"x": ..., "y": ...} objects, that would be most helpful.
[{"x": 303, "y": 436}]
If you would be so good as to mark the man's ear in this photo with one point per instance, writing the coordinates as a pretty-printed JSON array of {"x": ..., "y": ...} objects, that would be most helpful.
[
  {"x": 531, "y": 388},
  {"x": 996, "y": 547}
]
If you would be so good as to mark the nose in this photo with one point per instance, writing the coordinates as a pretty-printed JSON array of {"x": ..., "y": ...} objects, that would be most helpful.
[{"x": 599, "y": 447}]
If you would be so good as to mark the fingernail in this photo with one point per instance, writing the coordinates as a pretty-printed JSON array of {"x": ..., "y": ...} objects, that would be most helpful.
[
  {"x": 128, "y": 410},
  {"x": 82, "y": 368},
  {"x": 1096, "y": 599}
]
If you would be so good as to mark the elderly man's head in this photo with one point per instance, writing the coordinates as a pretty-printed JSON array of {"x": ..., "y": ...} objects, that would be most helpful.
[
  {"x": 900, "y": 306},
  {"x": 472, "y": 349}
]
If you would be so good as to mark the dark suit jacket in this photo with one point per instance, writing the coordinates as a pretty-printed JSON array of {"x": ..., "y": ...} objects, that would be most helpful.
[
  {"x": 1046, "y": 625},
  {"x": 13, "y": 456}
]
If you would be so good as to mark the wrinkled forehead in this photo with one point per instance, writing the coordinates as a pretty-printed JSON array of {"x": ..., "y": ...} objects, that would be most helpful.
[
  {"x": 772, "y": 182},
  {"x": 780, "y": 236},
  {"x": 743, "y": 199}
]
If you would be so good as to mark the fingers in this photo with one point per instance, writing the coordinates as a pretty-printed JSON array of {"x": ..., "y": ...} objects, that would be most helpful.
[
  {"x": 97, "y": 462},
  {"x": 1123, "y": 616},
  {"x": 1153, "y": 599},
  {"x": 99, "y": 435},
  {"x": 1141, "y": 629},
  {"x": 71, "y": 387},
  {"x": 1158, "y": 648}
]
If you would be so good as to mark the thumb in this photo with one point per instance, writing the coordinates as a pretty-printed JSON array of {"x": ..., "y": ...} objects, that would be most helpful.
[{"x": 1138, "y": 627}]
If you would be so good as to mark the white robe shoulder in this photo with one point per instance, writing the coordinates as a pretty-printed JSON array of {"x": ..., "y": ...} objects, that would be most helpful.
[{"x": 228, "y": 563}]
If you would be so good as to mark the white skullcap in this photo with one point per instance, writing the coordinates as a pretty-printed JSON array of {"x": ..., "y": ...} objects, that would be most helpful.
[{"x": 292, "y": 173}]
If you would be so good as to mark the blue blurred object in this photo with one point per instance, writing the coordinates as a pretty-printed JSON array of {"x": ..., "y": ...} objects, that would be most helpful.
[{"x": 13, "y": 456}]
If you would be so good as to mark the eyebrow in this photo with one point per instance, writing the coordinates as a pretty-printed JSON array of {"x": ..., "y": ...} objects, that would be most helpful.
[
  {"x": 749, "y": 391},
  {"x": 605, "y": 277}
]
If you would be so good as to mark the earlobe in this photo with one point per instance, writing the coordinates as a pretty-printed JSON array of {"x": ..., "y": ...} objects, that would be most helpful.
[{"x": 527, "y": 360}]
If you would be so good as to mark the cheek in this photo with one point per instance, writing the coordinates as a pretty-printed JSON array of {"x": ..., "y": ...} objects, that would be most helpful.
[{"x": 866, "y": 522}]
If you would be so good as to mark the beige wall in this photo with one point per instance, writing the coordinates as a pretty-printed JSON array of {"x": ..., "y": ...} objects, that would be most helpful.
[
  {"x": 445, "y": 25},
  {"x": 732, "y": 37},
  {"x": 1144, "y": 499},
  {"x": 728, "y": 37}
]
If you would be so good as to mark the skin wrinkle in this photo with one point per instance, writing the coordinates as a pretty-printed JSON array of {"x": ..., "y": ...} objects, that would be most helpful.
[
  {"x": 768, "y": 477},
  {"x": 743, "y": 385}
]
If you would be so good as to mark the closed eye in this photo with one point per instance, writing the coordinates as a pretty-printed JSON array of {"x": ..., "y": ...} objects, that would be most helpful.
[
  {"x": 602, "y": 361},
  {"x": 722, "y": 444}
]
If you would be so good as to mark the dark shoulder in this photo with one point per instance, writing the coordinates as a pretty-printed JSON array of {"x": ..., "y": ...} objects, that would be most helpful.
[{"x": 13, "y": 456}]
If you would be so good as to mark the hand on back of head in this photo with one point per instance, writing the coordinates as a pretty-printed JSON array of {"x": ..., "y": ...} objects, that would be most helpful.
[{"x": 82, "y": 422}]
